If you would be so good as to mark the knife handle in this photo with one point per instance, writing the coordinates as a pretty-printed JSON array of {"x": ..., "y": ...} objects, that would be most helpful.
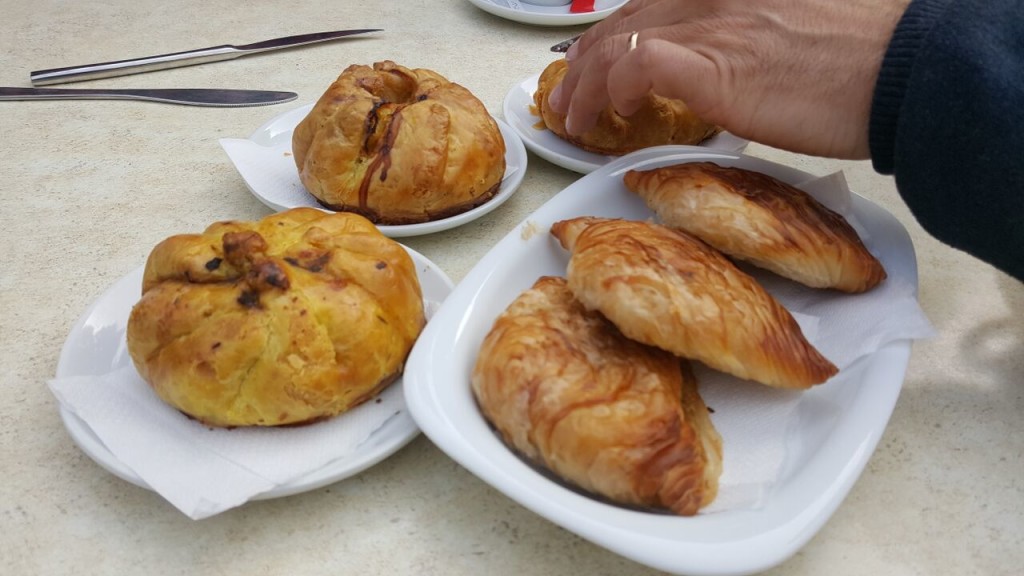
[
  {"x": 564, "y": 45},
  {"x": 134, "y": 66}
]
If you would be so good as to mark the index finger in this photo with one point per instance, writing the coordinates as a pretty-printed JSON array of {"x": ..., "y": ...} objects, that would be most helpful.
[{"x": 583, "y": 92}]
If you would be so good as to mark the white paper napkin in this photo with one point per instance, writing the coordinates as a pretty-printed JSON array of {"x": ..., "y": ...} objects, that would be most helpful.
[
  {"x": 203, "y": 471},
  {"x": 269, "y": 172}
]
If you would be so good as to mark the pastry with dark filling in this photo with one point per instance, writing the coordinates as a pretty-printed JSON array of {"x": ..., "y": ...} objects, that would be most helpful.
[
  {"x": 291, "y": 319},
  {"x": 399, "y": 146}
]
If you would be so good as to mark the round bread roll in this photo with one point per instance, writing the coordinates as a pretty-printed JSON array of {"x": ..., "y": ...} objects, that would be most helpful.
[
  {"x": 659, "y": 121},
  {"x": 399, "y": 146},
  {"x": 291, "y": 319}
]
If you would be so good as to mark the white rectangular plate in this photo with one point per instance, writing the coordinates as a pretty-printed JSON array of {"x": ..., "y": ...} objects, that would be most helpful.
[{"x": 834, "y": 446}]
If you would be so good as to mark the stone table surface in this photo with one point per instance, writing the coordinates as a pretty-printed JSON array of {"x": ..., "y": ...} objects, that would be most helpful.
[{"x": 89, "y": 187}]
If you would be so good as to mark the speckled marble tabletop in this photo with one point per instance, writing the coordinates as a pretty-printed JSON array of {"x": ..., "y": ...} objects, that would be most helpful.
[{"x": 89, "y": 187}]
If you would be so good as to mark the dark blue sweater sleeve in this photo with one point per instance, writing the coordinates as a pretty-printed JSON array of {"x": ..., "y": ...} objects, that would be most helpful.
[{"x": 947, "y": 120}]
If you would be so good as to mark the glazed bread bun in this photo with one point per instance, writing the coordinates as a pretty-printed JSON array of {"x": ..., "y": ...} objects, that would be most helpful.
[
  {"x": 399, "y": 146},
  {"x": 659, "y": 121},
  {"x": 291, "y": 319}
]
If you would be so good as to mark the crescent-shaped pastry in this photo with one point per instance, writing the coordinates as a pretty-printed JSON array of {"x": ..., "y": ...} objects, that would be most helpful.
[
  {"x": 617, "y": 418},
  {"x": 668, "y": 289},
  {"x": 754, "y": 217}
]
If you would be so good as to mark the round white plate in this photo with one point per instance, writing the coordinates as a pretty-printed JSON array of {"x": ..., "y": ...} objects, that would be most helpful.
[
  {"x": 830, "y": 435},
  {"x": 518, "y": 111},
  {"x": 547, "y": 15},
  {"x": 274, "y": 180},
  {"x": 96, "y": 345}
]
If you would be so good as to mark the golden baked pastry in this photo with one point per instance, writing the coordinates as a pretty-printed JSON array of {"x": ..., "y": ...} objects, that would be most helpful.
[
  {"x": 659, "y": 121},
  {"x": 294, "y": 318},
  {"x": 668, "y": 289},
  {"x": 755, "y": 217},
  {"x": 619, "y": 419},
  {"x": 399, "y": 146}
]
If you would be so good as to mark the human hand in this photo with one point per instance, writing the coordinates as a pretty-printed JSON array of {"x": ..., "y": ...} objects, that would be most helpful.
[{"x": 794, "y": 74}]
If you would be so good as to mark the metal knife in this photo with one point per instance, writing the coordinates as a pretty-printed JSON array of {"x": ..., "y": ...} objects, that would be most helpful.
[
  {"x": 178, "y": 59},
  {"x": 189, "y": 96},
  {"x": 564, "y": 45}
]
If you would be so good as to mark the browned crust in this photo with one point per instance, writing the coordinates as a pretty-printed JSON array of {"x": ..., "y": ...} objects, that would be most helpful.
[
  {"x": 568, "y": 391},
  {"x": 385, "y": 220},
  {"x": 668, "y": 289},
  {"x": 291, "y": 319},
  {"x": 659, "y": 121},
  {"x": 807, "y": 242},
  {"x": 399, "y": 146}
]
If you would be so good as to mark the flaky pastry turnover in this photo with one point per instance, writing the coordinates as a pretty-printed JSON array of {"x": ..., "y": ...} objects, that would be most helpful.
[
  {"x": 290, "y": 319},
  {"x": 399, "y": 146},
  {"x": 619, "y": 419},
  {"x": 668, "y": 289},
  {"x": 659, "y": 121},
  {"x": 757, "y": 218}
]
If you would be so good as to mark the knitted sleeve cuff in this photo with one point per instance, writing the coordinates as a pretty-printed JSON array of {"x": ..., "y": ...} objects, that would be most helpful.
[{"x": 906, "y": 42}]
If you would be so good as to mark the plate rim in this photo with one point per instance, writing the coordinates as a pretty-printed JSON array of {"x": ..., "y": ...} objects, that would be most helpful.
[
  {"x": 545, "y": 18},
  {"x": 581, "y": 161},
  {"x": 389, "y": 438},
  {"x": 752, "y": 553},
  {"x": 515, "y": 154}
]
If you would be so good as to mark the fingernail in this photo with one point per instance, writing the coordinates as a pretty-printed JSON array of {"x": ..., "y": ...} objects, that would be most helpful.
[
  {"x": 570, "y": 54},
  {"x": 555, "y": 98},
  {"x": 570, "y": 125}
]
